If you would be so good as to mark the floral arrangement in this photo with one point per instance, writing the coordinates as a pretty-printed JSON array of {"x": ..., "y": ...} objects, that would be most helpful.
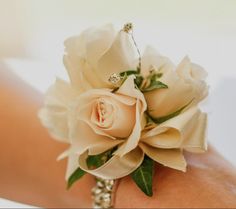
[{"x": 122, "y": 112}]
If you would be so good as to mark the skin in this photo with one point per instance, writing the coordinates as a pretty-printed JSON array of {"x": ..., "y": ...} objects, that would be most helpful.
[
  {"x": 210, "y": 182},
  {"x": 30, "y": 173}
]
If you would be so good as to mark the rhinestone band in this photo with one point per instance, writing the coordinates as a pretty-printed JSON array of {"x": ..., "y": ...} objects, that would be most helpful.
[{"x": 102, "y": 193}]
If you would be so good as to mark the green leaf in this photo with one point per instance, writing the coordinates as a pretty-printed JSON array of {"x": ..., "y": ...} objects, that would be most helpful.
[
  {"x": 153, "y": 76},
  {"x": 149, "y": 120},
  {"x": 115, "y": 90},
  {"x": 95, "y": 161},
  {"x": 159, "y": 75},
  {"x": 155, "y": 85},
  {"x": 154, "y": 82},
  {"x": 143, "y": 176},
  {"x": 138, "y": 80},
  {"x": 79, "y": 173},
  {"x": 167, "y": 117},
  {"x": 129, "y": 72}
]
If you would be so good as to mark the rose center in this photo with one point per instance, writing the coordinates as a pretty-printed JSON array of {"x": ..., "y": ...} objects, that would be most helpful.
[{"x": 104, "y": 113}]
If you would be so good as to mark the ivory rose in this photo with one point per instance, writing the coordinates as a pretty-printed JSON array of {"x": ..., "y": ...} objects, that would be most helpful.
[
  {"x": 164, "y": 143},
  {"x": 55, "y": 112},
  {"x": 186, "y": 88},
  {"x": 93, "y": 56},
  {"x": 99, "y": 119},
  {"x": 107, "y": 120},
  {"x": 186, "y": 85},
  {"x": 194, "y": 75},
  {"x": 96, "y": 121}
]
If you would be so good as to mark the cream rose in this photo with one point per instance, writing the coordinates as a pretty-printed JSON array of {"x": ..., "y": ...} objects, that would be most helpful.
[
  {"x": 93, "y": 56},
  {"x": 165, "y": 143},
  {"x": 186, "y": 85},
  {"x": 55, "y": 112},
  {"x": 99, "y": 119},
  {"x": 96, "y": 121},
  {"x": 194, "y": 75}
]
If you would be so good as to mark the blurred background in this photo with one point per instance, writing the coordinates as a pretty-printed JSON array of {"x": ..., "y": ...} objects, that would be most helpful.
[{"x": 32, "y": 34}]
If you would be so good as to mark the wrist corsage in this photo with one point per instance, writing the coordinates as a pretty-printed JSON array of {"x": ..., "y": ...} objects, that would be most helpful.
[{"x": 122, "y": 112}]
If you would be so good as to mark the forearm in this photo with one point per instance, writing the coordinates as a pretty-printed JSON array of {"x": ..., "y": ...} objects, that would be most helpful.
[{"x": 29, "y": 171}]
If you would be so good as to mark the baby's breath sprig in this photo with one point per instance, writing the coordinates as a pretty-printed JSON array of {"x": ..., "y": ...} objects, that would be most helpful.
[
  {"x": 128, "y": 28},
  {"x": 114, "y": 79},
  {"x": 118, "y": 79}
]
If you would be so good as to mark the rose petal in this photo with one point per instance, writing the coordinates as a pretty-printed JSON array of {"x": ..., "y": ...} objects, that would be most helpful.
[
  {"x": 72, "y": 164},
  {"x": 128, "y": 88},
  {"x": 172, "y": 158},
  {"x": 132, "y": 141},
  {"x": 75, "y": 74},
  {"x": 60, "y": 94},
  {"x": 98, "y": 42},
  {"x": 152, "y": 59},
  {"x": 163, "y": 102},
  {"x": 170, "y": 138},
  {"x": 90, "y": 76},
  {"x": 121, "y": 127},
  {"x": 175, "y": 129},
  {"x": 55, "y": 112},
  {"x": 84, "y": 114},
  {"x": 101, "y": 119},
  {"x": 196, "y": 141},
  {"x": 123, "y": 106},
  {"x": 92, "y": 94},
  {"x": 116, "y": 167},
  {"x": 188, "y": 70},
  {"x": 84, "y": 138},
  {"x": 120, "y": 57},
  {"x": 195, "y": 76},
  {"x": 82, "y": 54},
  {"x": 56, "y": 122}
]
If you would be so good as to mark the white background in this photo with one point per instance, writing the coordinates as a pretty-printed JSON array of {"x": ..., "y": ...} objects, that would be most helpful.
[{"x": 32, "y": 34}]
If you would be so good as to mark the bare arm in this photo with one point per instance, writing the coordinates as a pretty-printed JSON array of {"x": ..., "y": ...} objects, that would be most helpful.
[{"x": 30, "y": 173}]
